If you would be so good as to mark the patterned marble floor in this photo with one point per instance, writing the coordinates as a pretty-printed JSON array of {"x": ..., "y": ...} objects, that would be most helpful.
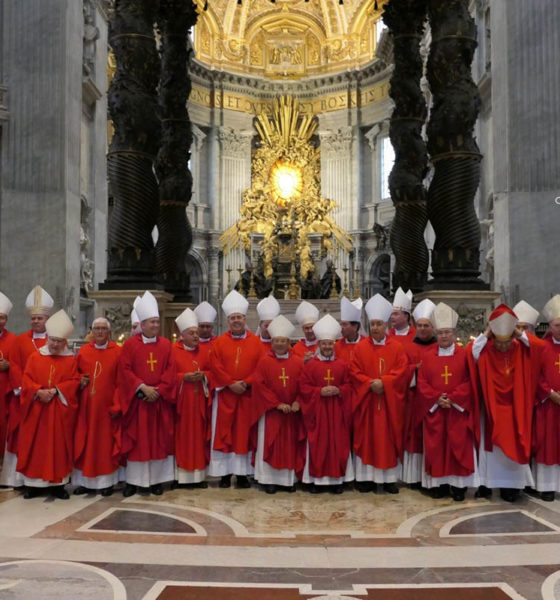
[{"x": 244, "y": 544}]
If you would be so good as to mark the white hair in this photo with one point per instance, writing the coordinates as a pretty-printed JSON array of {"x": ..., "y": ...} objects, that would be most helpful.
[{"x": 101, "y": 319}]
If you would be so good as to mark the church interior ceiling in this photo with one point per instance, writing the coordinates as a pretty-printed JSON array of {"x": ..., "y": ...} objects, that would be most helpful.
[{"x": 286, "y": 38}]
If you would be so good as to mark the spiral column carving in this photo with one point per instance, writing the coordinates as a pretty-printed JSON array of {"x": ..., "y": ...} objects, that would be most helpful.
[{"x": 405, "y": 20}]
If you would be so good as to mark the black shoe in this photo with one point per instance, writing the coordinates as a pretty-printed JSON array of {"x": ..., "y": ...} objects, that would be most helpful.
[
  {"x": 270, "y": 489},
  {"x": 80, "y": 491},
  {"x": 365, "y": 486},
  {"x": 31, "y": 492},
  {"x": 547, "y": 496},
  {"x": 483, "y": 492},
  {"x": 531, "y": 491},
  {"x": 108, "y": 491},
  {"x": 458, "y": 494},
  {"x": 391, "y": 488},
  {"x": 337, "y": 489},
  {"x": 201, "y": 485},
  {"x": 415, "y": 486},
  {"x": 290, "y": 489},
  {"x": 242, "y": 482},
  {"x": 156, "y": 489},
  {"x": 58, "y": 491},
  {"x": 225, "y": 481},
  {"x": 129, "y": 490},
  {"x": 316, "y": 489},
  {"x": 175, "y": 484}
]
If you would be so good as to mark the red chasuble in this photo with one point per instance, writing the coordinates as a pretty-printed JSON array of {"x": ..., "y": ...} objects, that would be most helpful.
[
  {"x": 46, "y": 433},
  {"x": 448, "y": 432},
  {"x": 345, "y": 350},
  {"x": 276, "y": 382},
  {"x": 327, "y": 419},
  {"x": 379, "y": 418},
  {"x": 97, "y": 435},
  {"x": 6, "y": 395},
  {"x": 147, "y": 427},
  {"x": 234, "y": 359},
  {"x": 546, "y": 442},
  {"x": 300, "y": 349},
  {"x": 412, "y": 436},
  {"x": 22, "y": 348},
  {"x": 507, "y": 386},
  {"x": 405, "y": 340},
  {"x": 194, "y": 409}
]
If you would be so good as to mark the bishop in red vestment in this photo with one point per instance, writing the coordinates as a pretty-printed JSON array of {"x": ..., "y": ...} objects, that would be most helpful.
[
  {"x": 234, "y": 358},
  {"x": 546, "y": 432},
  {"x": 507, "y": 383},
  {"x": 445, "y": 403},
  {"x": 147, "y": 388},
  {"x": 6, "y": 392},
  {"x": 306, "y": 315},
  {"x": 192, "y": 430},
  {"x": 412, "y": 434},
  {"x": 379, "y": 373},
  {"x": 98, "y": 426},
  {"x": 206, "y": 315},
  {"x": 39, "y": 304},
  {"x": 326, "y": 403},
  {"x": 49, "y": 401},
  {"x": 277, "y": 434},
  {"x": 350, "y": 324}
]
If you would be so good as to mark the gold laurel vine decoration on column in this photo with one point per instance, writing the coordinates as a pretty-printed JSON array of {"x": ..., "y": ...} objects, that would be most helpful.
[{"x": 285, "y": 194}]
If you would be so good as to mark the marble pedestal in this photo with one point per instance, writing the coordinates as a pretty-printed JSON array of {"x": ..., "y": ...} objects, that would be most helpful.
[{"x": 474, "y": 308}]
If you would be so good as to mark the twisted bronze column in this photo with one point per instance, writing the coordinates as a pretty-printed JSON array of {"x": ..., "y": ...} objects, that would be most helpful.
[
  {"x": 133, "y": 110},
  {"x": 405, "y": 20},
  {"x": 175, "y": 19},
  {"x": 452, "y": 147}
]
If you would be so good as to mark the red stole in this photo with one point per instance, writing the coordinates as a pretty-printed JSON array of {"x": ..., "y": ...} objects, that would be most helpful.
[
  {"x": 546, "y": 439},
  {"x": 6, "y": 394}
]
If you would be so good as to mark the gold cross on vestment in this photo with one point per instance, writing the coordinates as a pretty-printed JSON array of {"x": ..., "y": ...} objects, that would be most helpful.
[
  {"x": 558, "y": 363},
  {"x": 328, "y": 378},
  {"x": 283, "y": 377},
  {"x": 447, "y": 375},
  {"x": 51, "y": 375},
  {"x": 151, "y": 361}
]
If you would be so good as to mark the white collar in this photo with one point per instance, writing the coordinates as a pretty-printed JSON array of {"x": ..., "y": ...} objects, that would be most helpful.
[
  {"x": 308, "y": 343},
  {"x": 355, "y": 341},
  {"x": 102, "y": 347},
  {"x": 239, "y": 337},
  {"x": 322, "y": 358},
  {"x": 282, "y": 356},
  {"x": 555, "y": 340},
  {"x": 39, "y": 336},
  {"x": 265, "y": 340},
  {"x": 147, "y": 340},
  {"x": 402, "y": 331},
  {"x": 204, "y": 340},
  {"x": 446, "y": 351},
  {"x": 189, "y": 348},
  {"x": 380, "y": 343}
]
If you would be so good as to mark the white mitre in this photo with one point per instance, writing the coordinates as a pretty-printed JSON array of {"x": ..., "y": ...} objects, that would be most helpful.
[
  {"x": 5, "y": 304},
  {"x": 306, "y": 313},
  {"x": 502, "y": 322},
  {"x": 379, "y": 308},
  {"x": 444, "y": 317},
  {"x": 205, "y": 312},
  {"x": 526, "y": 313},
  {"x": 134, "y": 318},
  {"x": 59, "y": 325},
  {"x": 402, "y": 301},
  {"x": 423, "y": 310},
  {"x": 39, "y": 302},
  {"x": 327, "y": 328},
  {"x": 551, "y": 309},
  {"x": 268, "y": 308},
  {"x": 235, "y": 303},
  {"x": 147, "y": 307},
  {"x": 351, "y": 311},
  {"x": 281, "y": 327},
  {"x": 186, "y": 320}
]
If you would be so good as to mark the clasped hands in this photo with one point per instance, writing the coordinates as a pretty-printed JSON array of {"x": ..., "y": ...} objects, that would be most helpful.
[
  {"x": 376, "y": 386},
  {"x": 555, "y": 397},
  {"x": 443, "y": 401},
  {"x": 287, "y": 408},
  {"x": 330, "y": 390},
  {"x": 238, "y": 387},
  {"x": 46, "y": 395},
  {"x": 151, "y": 393},
  {"x": 4, "y": 365},
  {"x": 194, "y": 376}
]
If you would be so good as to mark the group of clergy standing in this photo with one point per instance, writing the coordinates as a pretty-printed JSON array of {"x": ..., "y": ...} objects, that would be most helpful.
[{"x": 405, "y": 403}]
